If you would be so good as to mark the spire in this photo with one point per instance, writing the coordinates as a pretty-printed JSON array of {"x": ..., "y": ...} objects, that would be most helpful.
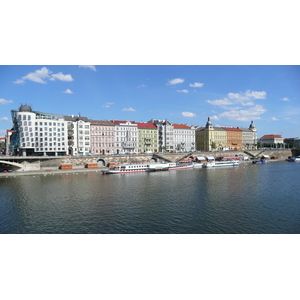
[
  {"x": 252, "y": 126},
  {"x": 208, "y": 124}
]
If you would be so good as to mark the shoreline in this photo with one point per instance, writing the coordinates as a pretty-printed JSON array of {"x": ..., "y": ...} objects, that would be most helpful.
[{"x": 81, "y": 170}]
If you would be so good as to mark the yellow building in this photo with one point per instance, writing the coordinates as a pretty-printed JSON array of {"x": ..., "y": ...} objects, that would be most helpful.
[
  {"x": 210, "y": 137},
  {"x": 147, "y": 137}
]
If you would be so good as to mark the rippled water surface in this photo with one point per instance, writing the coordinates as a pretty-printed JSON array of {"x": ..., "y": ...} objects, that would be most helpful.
[{"x": 245, "y": 199}]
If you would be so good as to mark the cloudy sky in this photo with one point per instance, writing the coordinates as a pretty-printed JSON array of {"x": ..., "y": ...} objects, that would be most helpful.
[{"x": 229, "y": 95}]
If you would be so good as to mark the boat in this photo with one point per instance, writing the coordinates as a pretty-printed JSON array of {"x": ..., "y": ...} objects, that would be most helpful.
[
  {"x": 259, "y": 161},
  {"x": 216, "y": 164},
  {"x": 179, "y": 165},
  {"x": 294, "y": 159},
  {"x": 198, "y": 164},
  {"x": 135, "y": 168}
]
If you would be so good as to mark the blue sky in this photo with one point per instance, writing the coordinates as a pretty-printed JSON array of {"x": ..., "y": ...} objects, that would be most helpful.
[{"x": 231, "y": 95}]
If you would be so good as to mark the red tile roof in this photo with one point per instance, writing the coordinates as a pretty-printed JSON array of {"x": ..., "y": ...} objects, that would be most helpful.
[
  {"x": 271, "y": 136},
  {"x": 232, "y": 129},
  {"x": 145, "y": 125},
  {"x": 181, "y": 126}
]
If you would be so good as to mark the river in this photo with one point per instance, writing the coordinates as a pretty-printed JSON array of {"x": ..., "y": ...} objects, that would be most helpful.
[{"x": 243, "y": 200}]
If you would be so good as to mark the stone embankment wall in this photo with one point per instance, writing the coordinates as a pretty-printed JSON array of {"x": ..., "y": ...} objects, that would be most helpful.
[{"x": 105, "y": 160}]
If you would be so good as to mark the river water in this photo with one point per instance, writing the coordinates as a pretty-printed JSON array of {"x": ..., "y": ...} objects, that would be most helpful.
[{"x": 244, "y": 199}]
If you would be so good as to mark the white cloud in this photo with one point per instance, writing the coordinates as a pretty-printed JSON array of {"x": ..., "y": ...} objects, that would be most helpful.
[
  {"x": 274, "y": 119},
  {"x": 196, "y": 84},
  {"x": 285, "y": 99},
  {"x": 36, "y": 76},
  {"x": 220, "y": 102},
  {"x": 68, "y": 91},
  {"x": 61, "y": 76},
  {"x": 3, "y": 101},
  {"x": 232, "y": 102},
  {"x": 108, "y": 104},
  {"x": 175, "y": 81},
  {"x": 252, "y": 113},
  {"x": 214, "y": 118},
  {"x": 188, "y": 114},
  {"x": 128, "y": 109},
  {"x": 88, "y": 66},
  {"x": 41, "y": 75},
  {"x": 4, "y": 119},
  {"x": 182, "y": 91}
]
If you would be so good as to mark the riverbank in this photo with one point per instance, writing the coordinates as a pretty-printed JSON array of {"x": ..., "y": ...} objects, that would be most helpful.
[{"x": 82, "y": 169}]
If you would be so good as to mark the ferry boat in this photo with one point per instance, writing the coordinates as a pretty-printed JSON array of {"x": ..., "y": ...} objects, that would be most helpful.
[
  {"x": 215, "y": 164},
  {"x": 135, "y": 168}
]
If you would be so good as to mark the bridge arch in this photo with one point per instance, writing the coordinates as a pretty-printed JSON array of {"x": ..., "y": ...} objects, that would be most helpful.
[
  {"x": 101, "y": 162},
  {"x": 9, "y": 164}
]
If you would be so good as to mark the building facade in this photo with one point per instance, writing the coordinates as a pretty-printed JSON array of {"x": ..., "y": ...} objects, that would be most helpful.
[
  {"x": 147, "y": 138},
  {"x": 126, "y": 137},
  {"x": 249, "y": 139},
  {"x": 102, "y": 137},
  {"x": 37, "y": 133},
  {"x": 271, "y": 140},
  {"x": 165, "y": 135},
  {"x": 184, "y": 138},
  {"x": 234, "y": 138},
  {"x": 210, "y": 137},
  {"x": 78, "y": 135}
]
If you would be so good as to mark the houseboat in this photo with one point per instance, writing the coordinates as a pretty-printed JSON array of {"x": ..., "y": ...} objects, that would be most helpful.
[
  {"x": 135, "y": 168},
  {"x": 216, "y": 164}
]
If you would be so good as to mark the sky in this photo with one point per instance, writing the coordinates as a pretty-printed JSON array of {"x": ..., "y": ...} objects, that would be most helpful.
[{"x": 231, "y": 95}]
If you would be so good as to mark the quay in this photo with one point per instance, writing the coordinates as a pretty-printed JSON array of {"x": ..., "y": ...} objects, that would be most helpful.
[{"x": 53, "y": 164}]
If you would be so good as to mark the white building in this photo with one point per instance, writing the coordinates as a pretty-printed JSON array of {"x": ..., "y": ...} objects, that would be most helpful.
[
  {"x": 184, "y": 138},
  {"x": 165, "y": 135},
  {"x": 38, "y": 133},
  {"x": 126, "y": 137},
  {"x": 79, "y": 136}
]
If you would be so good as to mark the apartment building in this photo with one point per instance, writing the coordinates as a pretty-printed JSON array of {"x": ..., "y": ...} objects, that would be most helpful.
[
  {"x": 102, "y": 137},
  {"x": 37, "y": 133},
  {"x": 79, "y": 142},
  {"x": 184, "y": 138},
  {"x": 210, "y": 137},
  {"x": 234, "y": 138},
  {"x": 126, "y": 137},
  {"x": 147, "y": 137}
]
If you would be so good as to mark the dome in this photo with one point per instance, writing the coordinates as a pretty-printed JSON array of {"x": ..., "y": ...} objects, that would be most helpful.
[{"x": 25, "y": 107}]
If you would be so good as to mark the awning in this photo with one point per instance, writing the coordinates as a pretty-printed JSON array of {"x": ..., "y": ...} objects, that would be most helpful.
[
  {"x": 210, "y": 157},
  {"x": 201, "y": 158}
]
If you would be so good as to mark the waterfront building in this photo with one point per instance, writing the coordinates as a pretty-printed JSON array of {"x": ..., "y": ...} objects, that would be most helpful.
[
  {"x": 78, "y": 135},
  {"x": 37, "y": 133},
  {"x": 147, "y": 137},
  {"x": 271, "y": 140},
  {"x": 249, "y": 137},
  {"x": 184, "y": 138},
  {"x": 102, "y": 137},
  {"x": 165, "y": 135},
  {"x": 210, "y": 137},
  {"x": 234, "y": 138},
  {"x": 126, "y": 137},
  {"x": 292, "y": 142}
]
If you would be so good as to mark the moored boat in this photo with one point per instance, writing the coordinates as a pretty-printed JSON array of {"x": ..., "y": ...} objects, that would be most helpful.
[
  {"x": 178, "y": 166},
  {"x": 135, "y": 168},
  {"x": 215, "y": 164},
  {"x": 294, "y": 159}
]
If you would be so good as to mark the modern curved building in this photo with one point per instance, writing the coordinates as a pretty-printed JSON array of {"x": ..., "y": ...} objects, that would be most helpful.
[{"x": 38, "y": 133}]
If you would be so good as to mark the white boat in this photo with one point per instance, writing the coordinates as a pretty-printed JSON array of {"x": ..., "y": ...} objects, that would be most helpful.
[
  {"x": 198, "y": 165},
  {"x": 215, "y": 164},
  {"x": 294, "y": 159},
  {"x": 178, "y": 166},
  {"x": 135, "y": 168}
]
